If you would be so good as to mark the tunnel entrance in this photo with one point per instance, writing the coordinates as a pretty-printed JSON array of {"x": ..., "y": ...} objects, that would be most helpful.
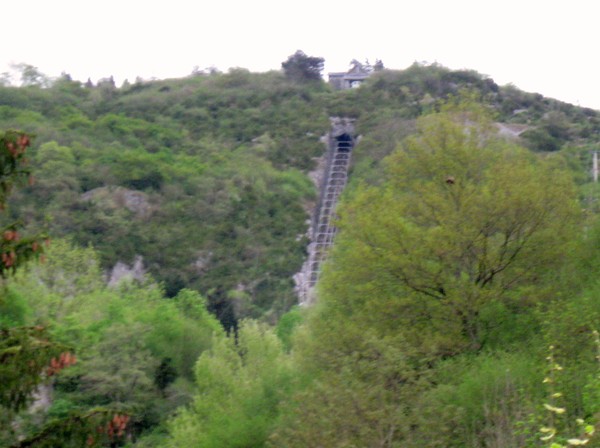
[{"x": 344, "y": 143}]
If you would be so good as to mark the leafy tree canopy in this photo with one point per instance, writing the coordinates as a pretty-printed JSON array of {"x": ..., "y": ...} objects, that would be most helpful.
[
  {"x": 466, "y": 233},
  {"x": 463, "y": 218},
  {"x": 300, "y": 67}
]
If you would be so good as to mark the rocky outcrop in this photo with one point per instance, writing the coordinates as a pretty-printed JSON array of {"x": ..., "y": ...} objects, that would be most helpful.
[
  {"x": 122, "y": 271},
  {"x": 111, "y": 197}
]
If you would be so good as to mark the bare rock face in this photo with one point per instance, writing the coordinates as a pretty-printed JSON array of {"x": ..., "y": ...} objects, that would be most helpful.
[
  {"x": 119, "y": 197},
  {"x": 302, "y": 278},
  {"x": 202, "y": 261},
  {"x": 511, "y": 130},
  {"x": 122, "y": 271},
  {"x": 318, "y": 173},
  {"x": 42, "y": 398},
  {"x": 341, "y": 126}
]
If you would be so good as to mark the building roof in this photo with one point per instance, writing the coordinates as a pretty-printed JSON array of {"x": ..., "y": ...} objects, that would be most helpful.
[{"x": 356, "y": 73}]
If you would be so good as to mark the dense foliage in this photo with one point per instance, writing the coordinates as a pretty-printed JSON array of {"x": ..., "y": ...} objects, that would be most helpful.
[
  {"x": 303, "y": 68},
  {"x": 439, "y": 274},
  {"x": 458, "y": 307},
  {"x": 202, "y": 177}
]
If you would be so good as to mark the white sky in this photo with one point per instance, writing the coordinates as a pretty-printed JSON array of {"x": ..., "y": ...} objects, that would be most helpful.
[{"x": 545, "y": 46}]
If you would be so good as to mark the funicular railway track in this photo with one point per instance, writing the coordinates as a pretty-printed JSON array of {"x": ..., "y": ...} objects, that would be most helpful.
[{"x": 324, "y": 230}]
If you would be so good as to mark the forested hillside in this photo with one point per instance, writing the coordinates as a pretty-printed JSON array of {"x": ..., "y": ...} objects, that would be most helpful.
[
  {"x": 203, "y": 177},
  {"x": 459, "y": 306}
]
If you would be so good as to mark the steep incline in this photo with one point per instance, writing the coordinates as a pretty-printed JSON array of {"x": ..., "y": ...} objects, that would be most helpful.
[{"x": 341, "y": 142}]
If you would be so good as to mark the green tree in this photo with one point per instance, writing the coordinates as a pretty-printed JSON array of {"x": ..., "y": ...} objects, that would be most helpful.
[
  {"x": 239, "y": 387},
  {"x": 28, "y": 355},
  {"x": 360, "y": 397},
  {"x": 31, "y": 76},
  {"x": 378, "y": 66},
  {"x": 302, "y": 68},
  {"x": 464, "y": 219},
  {"x": 464, "y": 230},
  {"x": 136, "y": 350},
  {"x": 24, "y": 351},
  {"x": 56, "y": 288}
]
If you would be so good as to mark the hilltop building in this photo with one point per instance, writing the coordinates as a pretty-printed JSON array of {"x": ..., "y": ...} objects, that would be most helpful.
[{"x": 350, "y": 79}]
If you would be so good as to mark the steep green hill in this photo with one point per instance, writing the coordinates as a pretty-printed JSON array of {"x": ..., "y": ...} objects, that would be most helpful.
[
  {"x": 461, "y": 258},
  {"x": 205, "y": 177}
]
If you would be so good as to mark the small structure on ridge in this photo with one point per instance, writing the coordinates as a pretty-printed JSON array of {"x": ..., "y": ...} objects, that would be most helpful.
[{"x": 350, "y": 79}]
